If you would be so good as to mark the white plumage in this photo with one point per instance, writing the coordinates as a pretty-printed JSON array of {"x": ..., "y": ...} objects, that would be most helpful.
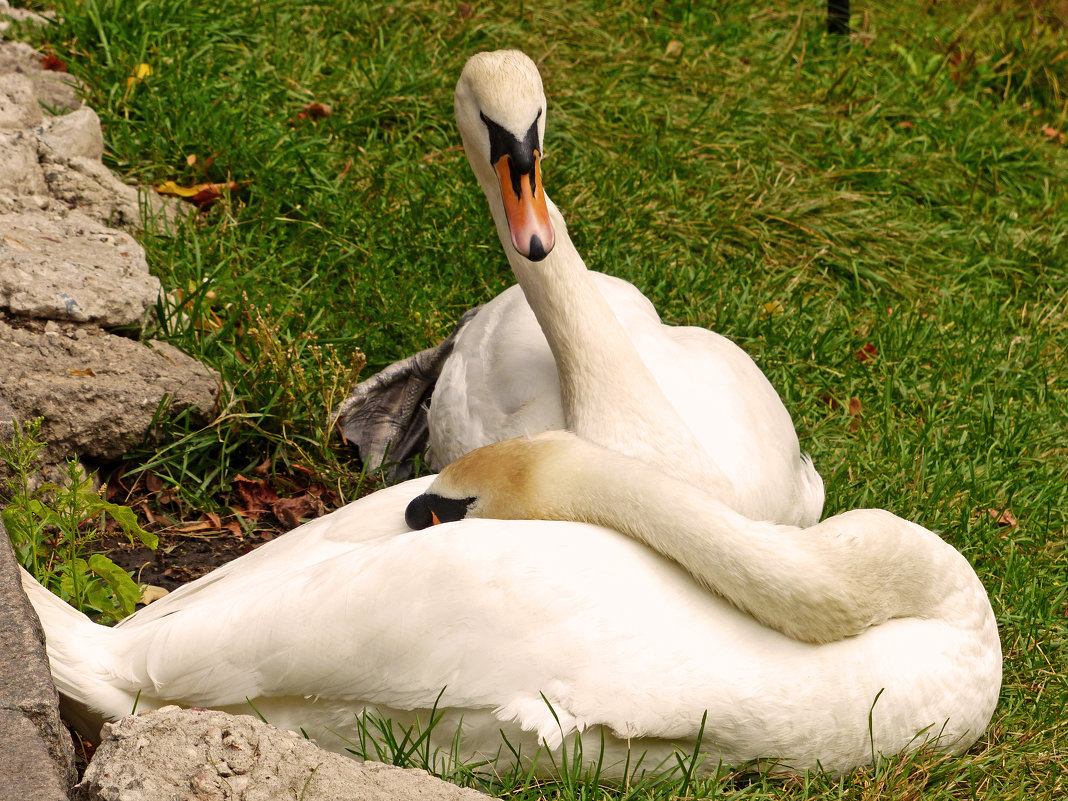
[
  {"x": 353, "y": 611},
  {"x": 578, "y": 349}
]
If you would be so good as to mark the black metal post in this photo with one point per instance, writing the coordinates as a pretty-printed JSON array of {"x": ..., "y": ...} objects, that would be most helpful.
[{"x": 838, "y": 17}]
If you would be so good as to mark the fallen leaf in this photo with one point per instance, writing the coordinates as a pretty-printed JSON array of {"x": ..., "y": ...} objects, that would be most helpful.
[
  {"x": 1002, "y": 517},
  {"x": 869, "y": 351},
  {"x": 87, "y": 371},
  {"x": 139, "y": 73},
  {"x": 214, "y": 519},
  {"x": 829, "y": 400},
  {"x": 854, "y": 412},
  {"x": 315, "y": 112},
  {"x": 289, "y": 511},
  {"x": 1053, "y": 134},
  {"x": 257, "y": 494},
  {"x": 465, "y": 11},
  {"x": 203, "y": 195},
  {"x": 153, "y": 483},
  {"x": 150, "y": 593},
  {"x": 149, "y": 516},
  {"x": 673, "y": 49},
  {"x": 53, "y": 63},
  {"x": 772, "y": 308}
]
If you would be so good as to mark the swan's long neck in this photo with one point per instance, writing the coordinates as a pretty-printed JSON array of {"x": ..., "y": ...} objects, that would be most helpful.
[
  {"x": 819, "y": 584},
  {"x": 573, "y": 314}
]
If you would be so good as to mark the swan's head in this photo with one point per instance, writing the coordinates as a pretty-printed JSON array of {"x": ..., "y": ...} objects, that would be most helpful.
[
  {"x": 500, "y": 109},
  {"x": 517, "y": 479}
]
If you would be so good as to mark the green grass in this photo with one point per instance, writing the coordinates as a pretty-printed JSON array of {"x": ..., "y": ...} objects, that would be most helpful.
[{"x": 807, "y": 198}]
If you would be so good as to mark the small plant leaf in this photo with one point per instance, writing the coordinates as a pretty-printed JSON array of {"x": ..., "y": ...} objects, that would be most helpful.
[{"x": 122, "y": 586}]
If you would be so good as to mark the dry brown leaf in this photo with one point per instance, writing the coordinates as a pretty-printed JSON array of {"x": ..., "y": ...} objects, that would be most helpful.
[
  {"x": 1053, "y": 134},
  {"x": 866, "y": 353},
  {"x": 257, "y": 494},
  {"x": 289, "y": 511},
  {"x": 202, "y": 195},
  {"x": 314, "y": 112},
  {"x": 1002, "y": 517},
  {"x": 87, "y": 371},
  {"x": 53, "y": 63}
]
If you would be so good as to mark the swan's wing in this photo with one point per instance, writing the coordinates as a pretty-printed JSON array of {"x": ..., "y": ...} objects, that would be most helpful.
[
  {"x": 311, "y": 545},
  {"x": 736, "y": 414},
  {"x": 500, "y": 382},
  {"x": 385, "y": 415}
]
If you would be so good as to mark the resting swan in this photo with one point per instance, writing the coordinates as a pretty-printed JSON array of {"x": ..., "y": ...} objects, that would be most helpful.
[
  {"x": 546, "y": 629},
  {"x": 589, "y": 353}
]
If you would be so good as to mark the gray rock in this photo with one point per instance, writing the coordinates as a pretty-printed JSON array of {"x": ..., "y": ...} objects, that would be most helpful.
[
  {"x": 97, "y": 392},
  {"x": 73, "y": 268},
  {"x": 93, "y": 189},
  {"x": 22, "y": 15},
  {"x": 54, "y": 90},
  {"x": 205, "y": 755},
  {"x": 20, "y": 168},
  {"x": 36, "y": 755},
  {"x": 18, "y": 103},
  {"x": 74, "y": 135}
]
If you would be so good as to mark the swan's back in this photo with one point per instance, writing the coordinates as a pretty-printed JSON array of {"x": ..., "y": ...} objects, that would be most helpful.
[{"x": 509, "y": 615}]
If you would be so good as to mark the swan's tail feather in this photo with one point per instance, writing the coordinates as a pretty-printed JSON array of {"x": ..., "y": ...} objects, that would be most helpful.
[{"x": 78, "y": 652}]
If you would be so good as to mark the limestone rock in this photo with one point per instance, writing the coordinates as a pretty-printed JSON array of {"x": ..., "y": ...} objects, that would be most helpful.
[
  {"x": 93, "y": 189},
  {"x": 54, "y": 90},
  {"x": 36, "y": 754},
  {"x": 74, "y": 135},
  {"x": 186, "y": 754},
  {"x": 22, "y": 15},
  {"x": 73, "y": 268},
  {"x": 97, "y": 392},
  {"x": 20, "y": 170},
  {"x": 18, "y": 103}
]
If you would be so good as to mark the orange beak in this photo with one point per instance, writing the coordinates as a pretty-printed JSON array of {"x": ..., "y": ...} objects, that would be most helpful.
[
  {"x": 526, "y": 210},
  {"x": 434, "y": 521}
]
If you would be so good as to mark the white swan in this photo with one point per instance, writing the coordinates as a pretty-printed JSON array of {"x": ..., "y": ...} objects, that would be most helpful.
[
  {"x": 545, "y": 629},
  {"x": 684, "y": 398}
]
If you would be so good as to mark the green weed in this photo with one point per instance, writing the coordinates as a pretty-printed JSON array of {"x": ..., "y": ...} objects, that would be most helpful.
[{"x": 53, "y": 526}]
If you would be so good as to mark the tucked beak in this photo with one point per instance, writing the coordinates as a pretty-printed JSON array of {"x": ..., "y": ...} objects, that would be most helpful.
[
  {"x": 429, "y": 509},
  {"x": 517, "y": 164}
]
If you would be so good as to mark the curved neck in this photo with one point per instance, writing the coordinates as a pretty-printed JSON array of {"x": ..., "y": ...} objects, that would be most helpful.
[
  {"x": 609, "y": 395},
  {"x": 820, "y": 584}
]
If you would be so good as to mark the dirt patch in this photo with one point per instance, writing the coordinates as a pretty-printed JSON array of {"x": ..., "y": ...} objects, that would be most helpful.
[
  {"x": 180, "y": 558},
  {"x": 193, "y": 543}
]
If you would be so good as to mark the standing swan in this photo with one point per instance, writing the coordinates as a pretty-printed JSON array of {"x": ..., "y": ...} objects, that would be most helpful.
[
  {"x": 593, "y": 356},
  {"x": 545, "y": 630}
]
